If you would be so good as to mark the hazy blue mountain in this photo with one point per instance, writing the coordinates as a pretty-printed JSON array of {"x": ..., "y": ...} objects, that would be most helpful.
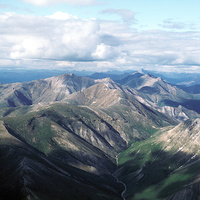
[
  {"x": 178, "y": 78},
  {"x": 23, "y": 75},
  {"x": 193, "y": 89},
  {"x": 13, "y": 76}
]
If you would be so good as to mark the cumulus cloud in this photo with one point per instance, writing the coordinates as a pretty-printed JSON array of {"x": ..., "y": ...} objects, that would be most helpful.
[
  {"x": 102, "y": 52},
  {"x": 57, "y": 37},
  {"x": 71, "y": 2},
  {"x": 62, "y": 40}
]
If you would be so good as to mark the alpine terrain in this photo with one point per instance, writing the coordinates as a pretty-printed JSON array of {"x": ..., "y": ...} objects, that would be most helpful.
[{"x": 69, "y": 138}]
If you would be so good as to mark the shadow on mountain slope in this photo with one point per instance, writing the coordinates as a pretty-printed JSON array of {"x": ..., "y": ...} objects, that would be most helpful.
[
  {"x": 190, "y": 104},
  {"x": 157, "y": 174},
  {"x": 28, "y": 174}
]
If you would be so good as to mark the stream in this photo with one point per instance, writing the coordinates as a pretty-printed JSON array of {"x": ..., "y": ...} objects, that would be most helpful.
[{"x": 125, "y": 188}]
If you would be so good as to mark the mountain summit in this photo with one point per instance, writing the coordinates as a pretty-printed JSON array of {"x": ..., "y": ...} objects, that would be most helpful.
[{"x": 44, "y": 90}]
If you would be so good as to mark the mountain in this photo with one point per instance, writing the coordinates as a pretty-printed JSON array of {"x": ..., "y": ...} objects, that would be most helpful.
[
  {"x": 27, "y": 173},
  {"x": 162, "y": 96},
  {"x": 114, "y": 100},
  {"x": 62, "y": 126},
  {"x": 118, "y": 105},
  {"x": 23, "y": 75},
  {"x": 150, "y": 86},
  {"x": 193, "y": 89},
  {"x": 70, "y": 137},
  {"x": 179, "y": 113},
  {"x": 193, "y": 81},
  {"x": 59, "y": 144},
  {"x": 165, "y": 166},
  {"x": 68, "y": 130},
  {"x": 176, "y": 78},
  {"x": 70, "y": 146},
  {"x": 44, "y": 90}
]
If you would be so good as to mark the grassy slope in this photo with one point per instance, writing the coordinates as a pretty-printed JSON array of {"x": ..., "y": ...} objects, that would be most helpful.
[
  {"x": 36, "y": 129},
  {"x": 38, "y": 138},
  {"x": 153, "y": 173}
]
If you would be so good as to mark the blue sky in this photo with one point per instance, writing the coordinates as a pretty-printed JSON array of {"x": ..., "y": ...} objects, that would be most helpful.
[
  {"x": 148, "y": 14},
  {"x": 100, "y": 35}
]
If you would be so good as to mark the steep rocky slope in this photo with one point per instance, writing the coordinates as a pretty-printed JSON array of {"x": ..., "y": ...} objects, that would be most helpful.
[
  {"x": 156, "y": 89},
  {"x": 162, "y": 96},
  {"x": 27, "y": 173},
  {"x": 167, "y": 165},
  {"x": 87, "y": 140},
  {"x": 59, "y": 151},
  {"x": 119, "y": 106},
  {"x": 44, "y": 90},
  {"x": 179, "y": 113},
  {"x": 149, "y": 90}
]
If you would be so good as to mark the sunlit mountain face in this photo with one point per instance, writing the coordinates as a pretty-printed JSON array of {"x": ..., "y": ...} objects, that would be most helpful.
[{"x": 104, "y": 136}]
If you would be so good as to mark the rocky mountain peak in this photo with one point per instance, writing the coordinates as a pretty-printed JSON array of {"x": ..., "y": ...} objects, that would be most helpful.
[
  {"x": 62, "y": 77},
  {"x": 141, "y": 71},
  {"x": 108, "y": 82},
  {"x": 185, "y": 137}
]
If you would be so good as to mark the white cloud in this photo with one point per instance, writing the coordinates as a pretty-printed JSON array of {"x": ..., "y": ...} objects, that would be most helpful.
[
  {"x": 71, "y": 2},
  {"x": 62, "y": 40},
  {"x": 30, "y": 47},
  {"x": 57, "y": 37},
  {"x": 102, "y": 52}
]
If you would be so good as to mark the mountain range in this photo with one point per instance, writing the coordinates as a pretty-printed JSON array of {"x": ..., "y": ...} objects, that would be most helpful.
[{"x": 73, "y": 137}]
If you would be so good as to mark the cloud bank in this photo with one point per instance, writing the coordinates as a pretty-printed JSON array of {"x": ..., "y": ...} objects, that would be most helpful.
[{"x": 62, "y": 40}]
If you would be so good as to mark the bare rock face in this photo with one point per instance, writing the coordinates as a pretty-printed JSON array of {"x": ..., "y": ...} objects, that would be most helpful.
[
  {"x": 185, "y": 137},
  {"x": 120, "y": 107}
]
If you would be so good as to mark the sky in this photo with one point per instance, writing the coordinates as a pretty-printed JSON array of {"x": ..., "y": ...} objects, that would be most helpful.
[{"x": 100, "y": 35}]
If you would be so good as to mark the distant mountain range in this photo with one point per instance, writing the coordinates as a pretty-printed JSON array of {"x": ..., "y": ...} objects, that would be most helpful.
[
  {"x": 128, "y": 136},
  {"x": 23, "y": 75}
]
